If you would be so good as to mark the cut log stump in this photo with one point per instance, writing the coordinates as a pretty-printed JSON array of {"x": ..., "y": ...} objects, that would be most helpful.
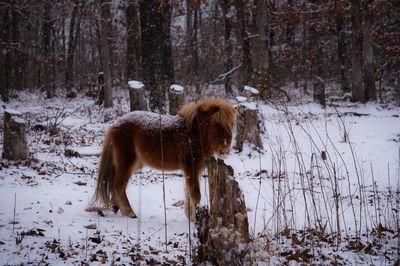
[
  {"x": 176, "y": 98},
  {"x": 319, "y": 91},
  {"x": 137, "y": 97},
  {"x": 15, "y": 145},
  {"x": 223, "y": 231},
  {"x": 248, "y": 126}
]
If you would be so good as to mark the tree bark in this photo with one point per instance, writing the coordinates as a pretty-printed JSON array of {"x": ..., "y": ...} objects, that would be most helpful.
[
  {"x": 105, "y": 52},
  {"x": 133, "y": 41},
  {"x": 247, "y": 64},
  {"x": 47, "y": 68},
  {"x": 223, "y": 232},
  {"x": 14, "y": 145},
  {"x": 342, "y": 52},
  {"x": 74, "y": 30},
  {"x": 228, "y": 64},
  {"x": 357, "y": 53},
  {"x": 319, "y": 91},
  {"x": 158, "y": 75},
  {"x": 248, "y": 128},
  {"x": 262, "y": 46},
  {"x": 368, "y": 53},
  {"x": 176, "y": 97},
  {"x": 6, "y": 57}
]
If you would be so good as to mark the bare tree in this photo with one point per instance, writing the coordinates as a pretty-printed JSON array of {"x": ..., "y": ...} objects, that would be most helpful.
[
  {"x": 192, "y": 26},
  {"x": 368, "y": 55},
  {"x": 47, "y": 61},
  {"x": 133, "y": 41},
  {"x": 155, "y": 19},
  {"x": 227, "y": 56},
  {"x": 246, "y": 70},
  {"x": 357, "y": 52},
  {"x": 74, "y": 29},
  {"x": 341, "y": 47},
  {"x": 105, "y": 52}
]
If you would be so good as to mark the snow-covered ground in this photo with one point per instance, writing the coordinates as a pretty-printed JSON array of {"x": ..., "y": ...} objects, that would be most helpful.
[{"x": 321, "y": 171}]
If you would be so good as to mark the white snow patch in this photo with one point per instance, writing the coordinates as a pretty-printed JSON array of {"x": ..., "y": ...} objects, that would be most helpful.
[
  {"x": 175, "y": 88},
  {"x": 135, "y": 84}
]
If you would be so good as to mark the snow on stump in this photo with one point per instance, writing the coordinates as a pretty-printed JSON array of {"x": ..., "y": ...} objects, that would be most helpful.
[
  {"x": 14, "y": 146},
  {"x": 319, "y": 91},
  {"x": 248, "y": 124},
  {"x": 250, "y": 91},
  {"x": 137, "y": 97},
  {"x": 223, "y": 231},
  {"x": 176, "y": 98}
]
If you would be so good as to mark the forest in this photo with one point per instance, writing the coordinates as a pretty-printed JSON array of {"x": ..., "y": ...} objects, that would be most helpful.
[
  {"x": 313, "y": 170},
  {"x": 62, "y": 46}
]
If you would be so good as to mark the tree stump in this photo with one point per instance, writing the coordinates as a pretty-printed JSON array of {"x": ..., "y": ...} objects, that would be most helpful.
[
  {"x": 176, "y": 98},
  {"x": 248, "y": 126},
  {"x": 223, "y": 232},
  {"x": 137, "y": 96},
  {"x": 15, "y": 145},
  {"x": 100, "y": 95},
  {"x": 319, "y": 91}
]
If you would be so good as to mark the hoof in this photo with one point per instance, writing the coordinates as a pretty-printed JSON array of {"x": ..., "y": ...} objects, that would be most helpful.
[
  {"x": 115, "y": 208},
  {"x": 130, "y": 214}
]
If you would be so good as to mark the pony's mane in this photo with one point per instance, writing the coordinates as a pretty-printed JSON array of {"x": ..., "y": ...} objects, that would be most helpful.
[{"x": 224, "y": 113}]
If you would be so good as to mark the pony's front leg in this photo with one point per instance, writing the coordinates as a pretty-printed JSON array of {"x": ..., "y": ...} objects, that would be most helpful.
[
  {"x": 192, "y": 191},
  {"x": 190, "y": 207}
]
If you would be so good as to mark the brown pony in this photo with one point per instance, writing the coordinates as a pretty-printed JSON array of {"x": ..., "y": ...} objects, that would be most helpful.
[{"x": 199, "y": 131}]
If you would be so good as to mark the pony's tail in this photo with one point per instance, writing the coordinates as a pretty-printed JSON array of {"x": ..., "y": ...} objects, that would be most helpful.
[{"x": 105, "y": 179}]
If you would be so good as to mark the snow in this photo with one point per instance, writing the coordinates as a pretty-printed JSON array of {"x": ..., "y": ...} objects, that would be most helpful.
[
  {"x": 241, "y": 99},
  {"x": 136, "y": 85},
  {"x": 175, "y": 88},
  {"x": 150, "y": 120},
  {"x": 252, "y": 90},
  {"x": 12, "y": 112},
  {"x": 51, "y": 191}
]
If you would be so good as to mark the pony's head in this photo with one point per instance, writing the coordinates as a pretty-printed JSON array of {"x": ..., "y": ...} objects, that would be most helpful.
[{"x": 214, "y": 119}]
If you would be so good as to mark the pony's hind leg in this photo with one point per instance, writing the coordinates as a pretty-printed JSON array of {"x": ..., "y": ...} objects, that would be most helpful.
[
  {"x": 125, "y": 164},
  {"x": 120, "y": 199}
]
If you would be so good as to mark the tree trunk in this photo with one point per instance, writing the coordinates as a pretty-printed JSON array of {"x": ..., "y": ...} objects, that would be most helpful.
[
  {"x": 158, "y": 75},
  {"x": 195, "y": 47},
  {"x": 47, "y": 68},
  {"x": 319, "y": 91},
  {"x": 262, "y": 46},
  {"x": 248, "y": 128},
  {"x": 133, "y": 63},
  {"x": 342, "y": 52},
  {"x": 247, "y": 64},
  {"x": 6, "y": 56},
  {"x": 14, "y": 145},
  {"x": 105, "y": 52},
  {"x": 176, "y": 97},
  {"x": 137, "y": 97},
  {"x": 74, "y": 29},
  {"x": 223, "y": 232},
  {"x": 228, "y": 64},
  {"x": 368, "y": 54},
  {"x": 357, "y": 53},
  {"x": 261, "y": 53}
]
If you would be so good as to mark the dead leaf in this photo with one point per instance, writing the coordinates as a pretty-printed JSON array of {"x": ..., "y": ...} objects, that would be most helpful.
[
  {"x": 80, "y": 183},
  {"x": 179, "y": 203},
  {"x": 91, "y": 226},
  {"x": 60, "y": 210}
]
